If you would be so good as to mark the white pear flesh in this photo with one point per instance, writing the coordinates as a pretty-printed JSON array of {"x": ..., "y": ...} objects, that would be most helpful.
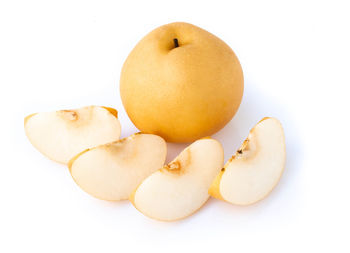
[
  {"x": 180, "y": 188},
  {"x": 112, "y": 171},
  {"x": 60, "y": 135},
  {"x": 252, "y": 173}
]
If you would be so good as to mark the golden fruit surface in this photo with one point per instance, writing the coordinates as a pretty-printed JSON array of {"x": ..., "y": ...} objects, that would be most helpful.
[{"x": 181, "y": 89}]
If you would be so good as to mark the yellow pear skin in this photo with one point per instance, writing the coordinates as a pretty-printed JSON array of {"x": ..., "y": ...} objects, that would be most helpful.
[{"x": 181, "y": 82}]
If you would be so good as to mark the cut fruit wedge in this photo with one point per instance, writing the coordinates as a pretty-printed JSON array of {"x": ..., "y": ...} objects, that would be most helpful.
[
  {"x": 60, "y": 135},
  {"x": 112, "y": 171},
  {"x": 255, "y": 169},
  {"x": 180, "y": 188}
]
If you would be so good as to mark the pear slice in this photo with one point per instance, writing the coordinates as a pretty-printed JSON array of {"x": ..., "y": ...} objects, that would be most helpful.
[
  {"x": 180, "y": 188},
  {"x": 112, "y": 171},
  {"x": 255, "y": 169},
  {"x": 60, "y": 135}
]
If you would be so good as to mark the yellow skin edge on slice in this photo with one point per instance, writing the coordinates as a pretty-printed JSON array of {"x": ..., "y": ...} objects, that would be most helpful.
[
  {"x": 132, "y": 195},
  {"x": 28, "y": 117},
  {"x": 214, "y": 189},
  {"x": 71, "y": 161},
  {"x": 111, "y": 110}
]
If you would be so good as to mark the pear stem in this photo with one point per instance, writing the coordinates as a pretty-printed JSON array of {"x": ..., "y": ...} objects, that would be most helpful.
[{"x": 176, "y": 43}]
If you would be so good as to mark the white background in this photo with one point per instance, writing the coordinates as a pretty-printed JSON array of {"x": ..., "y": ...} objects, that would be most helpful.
[{"x": 66, "y": 54}]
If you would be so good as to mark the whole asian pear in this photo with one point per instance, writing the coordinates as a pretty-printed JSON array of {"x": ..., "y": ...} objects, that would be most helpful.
[{"x": 181, "y": 82}]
